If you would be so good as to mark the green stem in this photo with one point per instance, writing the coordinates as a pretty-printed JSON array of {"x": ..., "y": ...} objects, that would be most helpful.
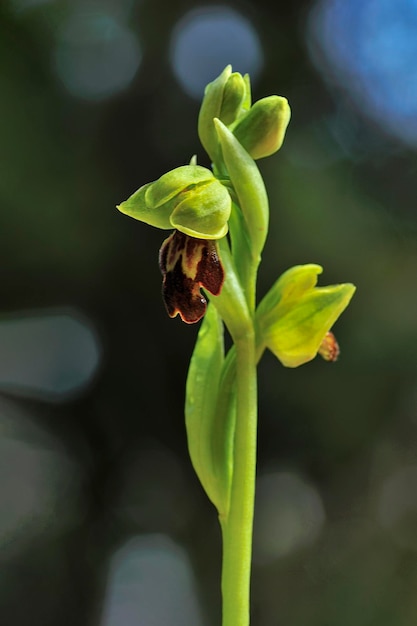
[{"x": 238, "y": 525}]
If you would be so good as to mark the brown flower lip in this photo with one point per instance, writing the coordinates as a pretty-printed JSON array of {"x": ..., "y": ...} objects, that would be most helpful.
[
  {"x": 329, "y": 348},
  {"x": 187, "y": 265}
]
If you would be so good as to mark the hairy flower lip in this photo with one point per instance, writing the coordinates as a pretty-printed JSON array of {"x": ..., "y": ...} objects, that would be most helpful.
[{"x": 187, "y": 265}]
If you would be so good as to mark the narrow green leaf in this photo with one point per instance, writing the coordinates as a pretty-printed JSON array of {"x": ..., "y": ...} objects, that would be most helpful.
[{"x": 201, "y": 402}]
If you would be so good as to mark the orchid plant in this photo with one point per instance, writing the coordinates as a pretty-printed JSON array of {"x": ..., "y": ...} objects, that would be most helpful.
[{"x": 209, "y": 263}]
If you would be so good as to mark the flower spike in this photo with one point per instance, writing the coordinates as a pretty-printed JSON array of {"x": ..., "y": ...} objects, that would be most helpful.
[{"x": 209, "y": 265}]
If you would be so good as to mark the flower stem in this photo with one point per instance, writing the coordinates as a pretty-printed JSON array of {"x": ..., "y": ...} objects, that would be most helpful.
[{"x": 238, "y": 524}]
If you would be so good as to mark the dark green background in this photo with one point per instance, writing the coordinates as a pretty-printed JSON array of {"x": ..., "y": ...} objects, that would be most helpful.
[{"x": 345, "y": 428}]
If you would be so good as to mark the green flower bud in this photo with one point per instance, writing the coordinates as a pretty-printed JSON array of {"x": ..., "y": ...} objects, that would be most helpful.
[
  {"x": 261, "y": 130},
  {"x": 188, "y": 198},
  {"x": 233, "y": 98},
  {"x": 294, "y": 318},
  {"x": 225, "y": 98}
]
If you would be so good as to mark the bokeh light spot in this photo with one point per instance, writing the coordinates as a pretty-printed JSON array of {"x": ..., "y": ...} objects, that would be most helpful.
[
  {"x": 156, "y": 504},
  {"x": 150, "y": 582},
  {"x": 96, "y": 56},
  {"x": 397, "y": 506},
  {"x": 20, "y": 6},
  {"x": 369, "y": 49},
  {"x": 48, "y": 355},
  {"x": 207, "y": 39},
  {"x": 289, "y": 515},
  {"x": 37, "y": 480}
]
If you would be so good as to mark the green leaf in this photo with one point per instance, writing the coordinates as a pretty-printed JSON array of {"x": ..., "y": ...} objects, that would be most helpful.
[{"x": 201, "y": 404}]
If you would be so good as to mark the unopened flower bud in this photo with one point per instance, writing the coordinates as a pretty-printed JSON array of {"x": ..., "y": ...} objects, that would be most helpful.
[
  {"x": 226, "y": 98},
  {"x": 234, "y": 94},
  {"x": 262, "y": 129}
]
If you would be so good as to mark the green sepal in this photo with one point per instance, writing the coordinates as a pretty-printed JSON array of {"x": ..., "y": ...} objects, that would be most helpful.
[
  {"x": 247, "y": 102},
  {"x": 234, "y": 96},
  {"x": 294, "y": 317},
  {"x": 188, "y": 198},
  {"x": 262, "y": 129},
  {"x": 227, "y": 97},
  {"x": 211, "y": 108},
  {"x": 201, "y": 409},
  {"x": 175, "y": 181},
  {"x": 249, "y": 187},
  {"x": 288, "y": 287},
  {"x": 136, "y": 207}
]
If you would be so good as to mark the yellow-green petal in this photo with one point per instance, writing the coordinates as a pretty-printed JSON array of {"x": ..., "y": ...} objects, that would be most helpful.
[
  {"x": 290, "y": 285},
  {"x": 296, "y": 335},
  {"x": 203, "y": 212},
  {"x": 175, "y": 181}
]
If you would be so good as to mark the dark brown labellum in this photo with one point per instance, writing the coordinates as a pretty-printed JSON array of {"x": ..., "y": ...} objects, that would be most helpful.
[{"x": 187, "y": 265}]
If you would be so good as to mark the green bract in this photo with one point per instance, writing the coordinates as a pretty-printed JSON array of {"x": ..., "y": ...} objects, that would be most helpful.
[
  {"x": 188, "y": 198},
  {"x": 248, "y": 185},
  {"x": 294, "y": 317}
]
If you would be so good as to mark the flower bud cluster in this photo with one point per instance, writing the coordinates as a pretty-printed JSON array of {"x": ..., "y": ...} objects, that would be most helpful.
[{"x": 260, "y": 128}]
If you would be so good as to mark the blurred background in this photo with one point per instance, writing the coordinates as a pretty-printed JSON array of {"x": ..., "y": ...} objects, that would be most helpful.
[{"x": 102, "y": 520}]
